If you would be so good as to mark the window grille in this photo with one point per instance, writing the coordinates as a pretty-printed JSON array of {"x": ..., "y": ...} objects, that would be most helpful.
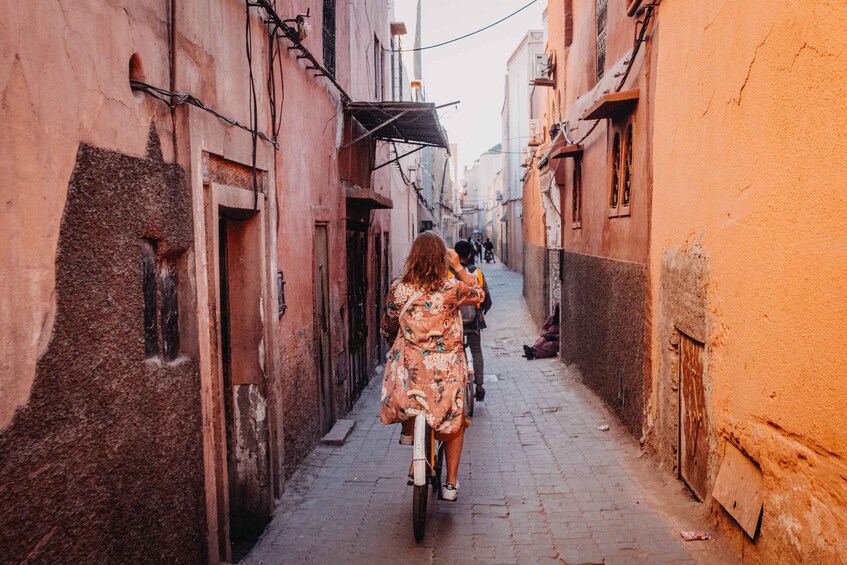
[
  {"x": 602, "y": 10},
  {"x": 616, "y": 170},
  {"x": 577, "y": 192},
  {"x": 627, "y": 167},
  {"x": 329, "y": 36}
]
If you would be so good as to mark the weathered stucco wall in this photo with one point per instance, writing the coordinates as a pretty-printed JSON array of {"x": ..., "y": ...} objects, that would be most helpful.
[
  {"x": 748, "y": 148},
  {"x": 50, "y": 104},
  {"x": 106, "y": 421},
  {"x": 602, "y": 330},
  {"x": 604, "y": 289}
]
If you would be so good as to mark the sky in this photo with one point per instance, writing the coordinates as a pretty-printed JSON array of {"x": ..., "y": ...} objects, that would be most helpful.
[{"x": 471, "y": 70}]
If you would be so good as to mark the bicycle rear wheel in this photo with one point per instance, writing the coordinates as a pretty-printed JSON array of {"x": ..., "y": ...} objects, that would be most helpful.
[
  {"x": 420, "y": 494},
  {"x": 419, "y": 499}
]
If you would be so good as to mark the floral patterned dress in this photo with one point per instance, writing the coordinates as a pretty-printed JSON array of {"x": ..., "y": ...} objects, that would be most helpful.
[{"x": 426, "y": 371}]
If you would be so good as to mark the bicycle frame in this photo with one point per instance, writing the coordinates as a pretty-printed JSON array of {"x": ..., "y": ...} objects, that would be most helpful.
[{"x": 419, "y": 459}]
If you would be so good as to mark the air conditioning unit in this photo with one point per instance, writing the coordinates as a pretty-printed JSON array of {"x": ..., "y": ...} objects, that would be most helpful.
[
  {"x": 536, "y": 133},
  {"x": 541, "y": 68}
]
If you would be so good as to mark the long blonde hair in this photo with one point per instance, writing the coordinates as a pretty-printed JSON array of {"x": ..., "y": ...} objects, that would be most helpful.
[{"x": 426, "y": 265}]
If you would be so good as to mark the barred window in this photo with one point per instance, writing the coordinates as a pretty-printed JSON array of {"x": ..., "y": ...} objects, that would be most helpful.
[
  {"x": 602, "y": 10},
  {"x": 627, "y": 166},
  {"x": 620, "y": 194},
  {"x": 616, "y": 171},
  {"x": 576, "y": 193},
  {"x": 329, "y": 36}
]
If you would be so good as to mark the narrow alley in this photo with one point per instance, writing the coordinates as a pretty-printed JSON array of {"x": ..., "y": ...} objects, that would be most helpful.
[
  {"x": 539, "y": 482},
  {"x": 214, "y": 210}
]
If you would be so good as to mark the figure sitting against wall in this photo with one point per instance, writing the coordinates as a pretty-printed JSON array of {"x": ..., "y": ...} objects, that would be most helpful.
[{"x": 547, "y": 345}]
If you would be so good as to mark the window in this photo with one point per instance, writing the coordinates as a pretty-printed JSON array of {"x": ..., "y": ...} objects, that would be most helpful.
[
  {"x": 161, "y": 303},
  {"x": 568, "y": 22},
  {"x": 329, "y": 36},
  {"x": 576, "y": 215},
  {"x": 602, "y": 9},
  {"x": 616, "y": 171},
  {"x": 396, "y": 70},
  {"x": 627, "y": 167},
  {"x": 620, "y": 193},
  {"x": 379, "y": 66}
]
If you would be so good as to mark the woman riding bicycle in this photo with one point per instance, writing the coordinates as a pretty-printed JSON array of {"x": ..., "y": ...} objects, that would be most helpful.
[{"x": 426, "y": 372}]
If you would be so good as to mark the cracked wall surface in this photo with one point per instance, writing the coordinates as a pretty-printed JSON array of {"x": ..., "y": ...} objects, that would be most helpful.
[{"x": 748, "y": 142}]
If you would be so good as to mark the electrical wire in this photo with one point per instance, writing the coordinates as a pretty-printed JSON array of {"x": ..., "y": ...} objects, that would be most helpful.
[
  {"x": 254, "y": 108},
  {"x": 274, "y": 57},
  {"x": 173, "y": 99},
  {"x": 455, "y": 39},
  {"x": 648, "y": 14}
]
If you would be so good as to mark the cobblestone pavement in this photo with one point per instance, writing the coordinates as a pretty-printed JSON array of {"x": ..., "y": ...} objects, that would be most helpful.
[{"x": 539, "y": 482}]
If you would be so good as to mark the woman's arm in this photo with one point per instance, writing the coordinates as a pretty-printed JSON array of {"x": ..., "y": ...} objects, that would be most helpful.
[
  {"x": 468, "y": 290},
  {"x": 390, "y": 323}
]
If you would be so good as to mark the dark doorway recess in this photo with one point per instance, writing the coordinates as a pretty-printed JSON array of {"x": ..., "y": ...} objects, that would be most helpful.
[
  {"x": 245, "y": 406},
  {"x": 321, "y": 278},
  {"x": 357, "y": 293}
]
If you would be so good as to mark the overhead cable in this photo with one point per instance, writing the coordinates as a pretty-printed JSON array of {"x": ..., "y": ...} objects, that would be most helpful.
[{"x": 455, "y": 39}]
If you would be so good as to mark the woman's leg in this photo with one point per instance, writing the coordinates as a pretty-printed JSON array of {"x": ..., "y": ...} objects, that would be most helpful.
[
  {"x": 453, "y": 450},
  {"x": 408, "y": 427}
]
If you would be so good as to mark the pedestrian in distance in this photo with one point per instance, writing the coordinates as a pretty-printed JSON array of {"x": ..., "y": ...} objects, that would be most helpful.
[
  {"x": 489, "y": 251},
  {"x": 474, "y": 254},
  {"x": 426, "y": 371},
  {"x": 473, "y": 318}
]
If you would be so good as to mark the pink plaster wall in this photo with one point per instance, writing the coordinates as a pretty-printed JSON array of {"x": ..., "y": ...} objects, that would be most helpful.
[{"x": 623, "y": 238}]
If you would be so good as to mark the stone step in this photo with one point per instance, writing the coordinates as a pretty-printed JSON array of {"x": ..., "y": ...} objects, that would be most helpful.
[{"x": 339, "y": 432}]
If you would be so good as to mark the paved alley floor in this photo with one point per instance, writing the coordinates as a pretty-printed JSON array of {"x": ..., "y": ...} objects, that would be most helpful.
[{"x": 539, "y": 482}]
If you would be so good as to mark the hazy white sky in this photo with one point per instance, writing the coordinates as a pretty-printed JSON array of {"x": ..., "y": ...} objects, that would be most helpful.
[{"x": 471, "y": 70}]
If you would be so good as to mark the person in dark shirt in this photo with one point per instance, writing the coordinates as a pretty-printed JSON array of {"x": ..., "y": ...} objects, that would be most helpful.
[{"x": 474, "y": 318}]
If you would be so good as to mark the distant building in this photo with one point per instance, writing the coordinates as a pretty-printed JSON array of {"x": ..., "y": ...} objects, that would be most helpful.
[
  {"x": 521, "y": 110},
  {"x": 479, "y": 188}
]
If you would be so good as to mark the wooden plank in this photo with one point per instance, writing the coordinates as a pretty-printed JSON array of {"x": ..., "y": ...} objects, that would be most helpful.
[
  {"x": 612, "y": 105},
  {"x": 739, "y": 487},
  {"x": 567, "y": 151}
]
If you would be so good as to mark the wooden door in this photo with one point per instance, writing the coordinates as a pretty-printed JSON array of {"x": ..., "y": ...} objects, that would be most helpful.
[
  {"x": 357, "y": 292},
  {"x": 694, "y": 423},
  {"x": 321, "y": 279}
]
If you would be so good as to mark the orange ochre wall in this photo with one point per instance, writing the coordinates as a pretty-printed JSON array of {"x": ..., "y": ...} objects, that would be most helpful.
[{"x": 750, "y": 172}]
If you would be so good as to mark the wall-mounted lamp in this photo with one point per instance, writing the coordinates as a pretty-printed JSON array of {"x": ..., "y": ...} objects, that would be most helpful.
[{"x": 304, "y": 28}]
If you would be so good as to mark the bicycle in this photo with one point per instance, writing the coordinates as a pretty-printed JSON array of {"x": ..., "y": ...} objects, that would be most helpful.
[
  {"x": 428, "y": 460},
  {"x": 470, "y": 387},
  {"x": 427, "y": 465}
]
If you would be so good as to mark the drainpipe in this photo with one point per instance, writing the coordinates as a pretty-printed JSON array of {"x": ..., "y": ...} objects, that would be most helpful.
[{"x": 172, "y": 67}]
